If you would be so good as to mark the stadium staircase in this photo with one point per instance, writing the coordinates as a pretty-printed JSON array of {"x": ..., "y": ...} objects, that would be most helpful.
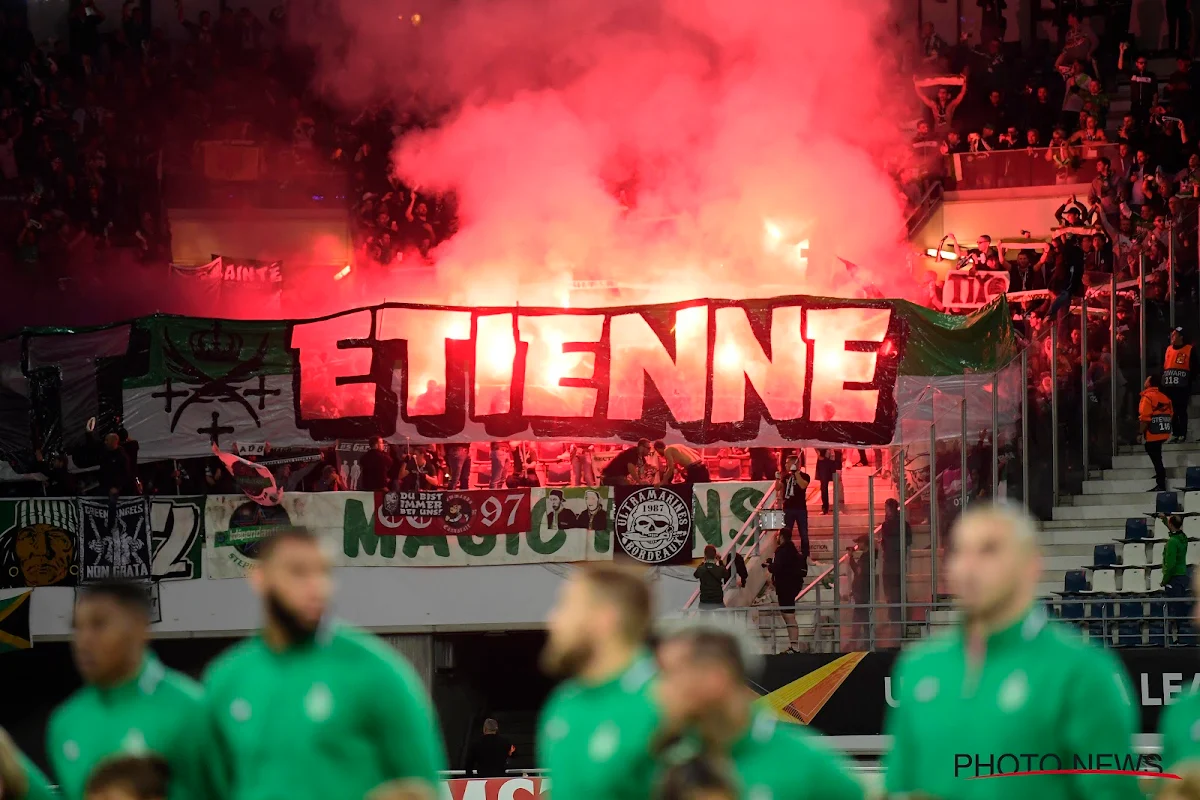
[
  {"x": 1110, "y": 497},
  {"x": 815, "y": 610},
  {"x": 1080, "y": 524}
]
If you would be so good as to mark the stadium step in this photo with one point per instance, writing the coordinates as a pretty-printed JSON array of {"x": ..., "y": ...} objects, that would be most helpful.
[
  {"x": 1113, "y": 512},
  {"x": 1080, "y": 523},
  {"x": 1173, "y": 456},
  {"x": 1143, "y": 473},
  {"x": 1133, "y": 498},
  {"x": 1182, "y": 447},
  {"x": 1081, "y": 538},
  {"x": 1110, "y": 488}
]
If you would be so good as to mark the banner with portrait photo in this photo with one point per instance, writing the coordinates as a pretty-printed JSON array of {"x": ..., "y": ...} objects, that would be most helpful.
[{"x": 114, "y": 539}]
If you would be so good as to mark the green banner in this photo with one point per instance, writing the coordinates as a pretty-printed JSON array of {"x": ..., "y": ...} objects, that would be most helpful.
[
  {"x": 39, "y": 540},
  {"x": 719, "y": 510},
  {"x": 940, "y": 345}
]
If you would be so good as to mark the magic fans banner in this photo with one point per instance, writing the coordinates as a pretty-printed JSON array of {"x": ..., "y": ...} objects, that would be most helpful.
[{"x": 756, "y": 372}]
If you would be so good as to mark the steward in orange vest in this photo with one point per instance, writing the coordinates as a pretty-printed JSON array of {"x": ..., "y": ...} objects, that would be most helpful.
[
  {"x": 1154, "y": 413},
  {"x": 1177, "y": 382}
]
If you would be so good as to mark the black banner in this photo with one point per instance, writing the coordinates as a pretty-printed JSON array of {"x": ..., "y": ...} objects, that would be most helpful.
[
  {"x": 349, "y": 461},
  {"x": 653, "y": 524},
  {"x": 849, "y": 694},
  {"x": 114, "y": 541}
]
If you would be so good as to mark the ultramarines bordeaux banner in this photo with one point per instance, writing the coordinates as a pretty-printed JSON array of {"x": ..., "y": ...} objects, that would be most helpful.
[{"x": 764, "y": 372}]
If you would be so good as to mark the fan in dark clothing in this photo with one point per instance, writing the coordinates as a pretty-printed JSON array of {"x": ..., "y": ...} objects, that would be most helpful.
[
  {"x": 829, "y": 462},
  {"x": 788, "y": 571},
  {"x": 488, "y": 757},
  {"x": 893, "y": 563},
  {"x": 713, "y": 575},
  {"x": 376, "y": 467}
]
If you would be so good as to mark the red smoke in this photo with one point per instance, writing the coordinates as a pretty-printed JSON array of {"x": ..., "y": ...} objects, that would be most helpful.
[{"x": 736, "y": 128}]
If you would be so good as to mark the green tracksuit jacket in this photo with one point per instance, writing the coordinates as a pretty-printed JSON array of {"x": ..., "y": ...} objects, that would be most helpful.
[
  {"x": 777, "y": 760},
  {"x": 595, "y": 739},
  {"x": 1180, "y": 729},
  {"x": 1039, "y": 691},
  {"x": 1174, "y": 557},
  {"x": 329, "y": 719},
  {"x": 39, "y": 784},
  {"x": 157, "y": 711}
]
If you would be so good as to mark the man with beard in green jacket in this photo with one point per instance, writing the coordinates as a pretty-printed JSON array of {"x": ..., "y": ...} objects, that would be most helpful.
[{"x": 310, "y": 709}]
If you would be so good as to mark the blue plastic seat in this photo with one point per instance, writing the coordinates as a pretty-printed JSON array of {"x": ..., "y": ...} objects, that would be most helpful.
[
  {"x": 1191, "y": 479},
  {"x": 1131, "y": 609},
  {"x": 1137, "y": 528},
  {"x": 1072, "y": 608},
  {"x": 1104, "y": 555},
  {"x": 1129, "y": 633},
  {"x": 1166, "y": 503},
  {"x": 1075, "y": 581}
]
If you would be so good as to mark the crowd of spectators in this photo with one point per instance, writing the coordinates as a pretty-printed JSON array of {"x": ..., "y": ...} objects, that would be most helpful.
[
  {"x": 996, "y": 115},
  {"x": 96, "y": 128},
  {"x": 110, "y": 463}
]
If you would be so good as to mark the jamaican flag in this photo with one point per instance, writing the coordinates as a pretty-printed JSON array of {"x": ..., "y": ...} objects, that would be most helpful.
[{"x": 14, "y": 622}]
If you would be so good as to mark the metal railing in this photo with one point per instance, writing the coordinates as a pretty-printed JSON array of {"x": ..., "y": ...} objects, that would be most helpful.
[
  {"x": 928, "y": 204},
  {"x": 1030, "y": 166},
  {"x": 1111, "y": 620},
  {"x": 742, "y": 541}
]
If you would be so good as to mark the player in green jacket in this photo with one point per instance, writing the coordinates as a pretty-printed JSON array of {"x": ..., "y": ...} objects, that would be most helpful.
[
  {"x": 1180, "y": 724},
  {"x": 705, "y": 669},
  {"x": 130, "y": 704},
  {"x": 20, "y": 778},
  {"x": 1007, "y": 690},
  {"x": 595, "y": 733},
  {"x": 310, "y": 709}
]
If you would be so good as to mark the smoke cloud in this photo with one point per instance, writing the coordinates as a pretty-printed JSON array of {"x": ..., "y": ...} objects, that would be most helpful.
[{"x": 682, "y": 148}]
